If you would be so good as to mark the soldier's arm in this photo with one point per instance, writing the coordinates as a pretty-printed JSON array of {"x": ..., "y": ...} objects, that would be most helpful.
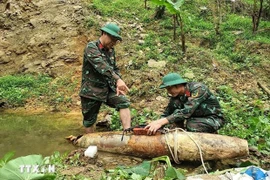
[
  {"x": 94, "y": 56},
  {"x": 168, "y": 110},
  {"x": 198, "y": 95},
  {"x": 116, "y": 69}
]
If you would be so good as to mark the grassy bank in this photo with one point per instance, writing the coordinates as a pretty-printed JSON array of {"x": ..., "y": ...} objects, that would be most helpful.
[{"x": 37, "y": 91}]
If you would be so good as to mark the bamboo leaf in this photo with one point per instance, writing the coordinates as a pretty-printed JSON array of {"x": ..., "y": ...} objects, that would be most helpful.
[
  {"x": 163, "y": 158},
  {"x": 173, "y": 173},
  {"x": 170, "y": 6},
  {"x": 7, "y": 157},
  {"x": 159, "y": 2},
  {"x": 178, "y": 4},
  {"x": 142, "y": 169}
]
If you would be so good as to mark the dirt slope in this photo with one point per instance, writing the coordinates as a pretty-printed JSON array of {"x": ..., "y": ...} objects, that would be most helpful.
[{"x": 41, "y": 36}]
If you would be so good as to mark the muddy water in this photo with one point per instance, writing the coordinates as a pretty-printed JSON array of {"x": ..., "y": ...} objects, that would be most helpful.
[
  {"x": 37, "y": 133},
  {"x": 44, "y": 133}
]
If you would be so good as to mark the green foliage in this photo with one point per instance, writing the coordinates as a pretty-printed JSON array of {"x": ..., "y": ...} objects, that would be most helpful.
[
  {"x": 198, "y": 25},
  {"x": 12, "y": 170},
  {"x": 172, "y": 173},
  {"x": 115, "y": 121},
  {"x": 90, "y": 22},
  {"x": 141, "y": 117},
  {"x": 146, "y": 170},
  {"x": 119, "y": 8},
  {"x": 138, "y": 118},
  {"x": 173, "y": 7},
  {"x": 139, "y": 172},
  {"x": 17, "y": 89},
  {"x": 7, "y": 157},
  {"x": 233, "y": 29},
  {"x": 56, "y": 159},
  {"x": 245, "y": 118},
  {"x": 64, "y": 162}
]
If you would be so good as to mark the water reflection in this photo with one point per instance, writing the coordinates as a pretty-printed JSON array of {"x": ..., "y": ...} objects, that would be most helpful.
[{"x": 37, "y": 133}]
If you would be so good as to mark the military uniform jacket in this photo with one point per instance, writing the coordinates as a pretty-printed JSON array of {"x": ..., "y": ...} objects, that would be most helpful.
[
  {"x": 198, "y": 101},
  {"x": 99, "y": 72}
]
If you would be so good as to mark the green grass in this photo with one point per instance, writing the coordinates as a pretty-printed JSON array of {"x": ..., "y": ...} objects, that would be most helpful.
[
  {"x": 16, "y": 90},
  {"x": 121, "y": 9},
  {"x": 243, "y": 24}
]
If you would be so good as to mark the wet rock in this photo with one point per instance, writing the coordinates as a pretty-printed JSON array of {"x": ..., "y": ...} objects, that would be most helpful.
[
  {"x": 2, "y": 103},
  {"x": 34, "y": 22},
  {"x": 143, "y": 35},
  {"x": 77, "y": 8},
  {"x": 20, "y": 51},
  {"x": 106, "y": 121},
  {"x": 189, "y": 75},
  {"x": 202, "y": 169},
  {"x": 156, "y": 64},
  {"x": 4, "y": 43},
  {"x": 237, "y": 32},
  {"x": 160, "y": 98},
  {"x": 147, "y": 49},
  {"x": 3, "y": 58},
  {"x": 140, "y": 42},
  {"x": 142, "y": 103},
  {"x": 64, "y": 55},
  {"x": 159, "y": 173}
]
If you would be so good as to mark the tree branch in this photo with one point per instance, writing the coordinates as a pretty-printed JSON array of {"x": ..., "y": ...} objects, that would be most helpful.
[{"x": 264, "y": 88}]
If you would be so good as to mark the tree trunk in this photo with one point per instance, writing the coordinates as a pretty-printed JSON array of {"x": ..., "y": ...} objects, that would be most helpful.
[
  {"x": 219, "y": 17},
  {"x": 256, "y": 15},
  {"x": 174, "y": 27},
  {"x": 145, "y": 5},
  {"x": 159, "y": 12},
  {"x": 183, "y": 38}
]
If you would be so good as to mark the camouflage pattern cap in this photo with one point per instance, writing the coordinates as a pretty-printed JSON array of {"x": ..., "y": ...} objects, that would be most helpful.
[{"x": 171, "y": 79}]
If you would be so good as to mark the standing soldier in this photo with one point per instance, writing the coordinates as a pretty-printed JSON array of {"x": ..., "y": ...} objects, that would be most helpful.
[
  {"x": 192, "y": 106},
  {"x": 101, "y": 80}
]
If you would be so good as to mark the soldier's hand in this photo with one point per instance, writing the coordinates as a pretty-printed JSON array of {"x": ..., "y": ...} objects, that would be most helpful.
[
  {"x": 121, "y": 87},
  {"x": 155, "y": 125}
]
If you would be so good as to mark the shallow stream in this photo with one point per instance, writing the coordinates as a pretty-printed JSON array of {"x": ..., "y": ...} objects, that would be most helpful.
[
  {"x": 44, "y": 133},
  {"x": 37, "y": 133}
]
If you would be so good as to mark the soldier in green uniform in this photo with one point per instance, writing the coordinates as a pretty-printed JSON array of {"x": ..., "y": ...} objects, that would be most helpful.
[
  {"x": 192, "y": 106},
  {"x": 101, "y": 79}
]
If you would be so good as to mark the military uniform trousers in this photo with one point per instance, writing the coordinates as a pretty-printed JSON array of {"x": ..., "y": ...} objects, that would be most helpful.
[{"x": 91, "y": 107}]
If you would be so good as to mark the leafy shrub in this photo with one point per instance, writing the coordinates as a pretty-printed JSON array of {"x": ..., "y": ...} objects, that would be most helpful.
[
  {"x": 147, "y": 170},
  {"x": 138, "y": 118},
  {"x": 245, "y": 119}
]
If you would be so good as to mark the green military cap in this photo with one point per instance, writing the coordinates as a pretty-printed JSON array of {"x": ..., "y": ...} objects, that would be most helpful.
[
  {"x": 171, "y": 79},
  {"x": 113, "y": 30}
]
